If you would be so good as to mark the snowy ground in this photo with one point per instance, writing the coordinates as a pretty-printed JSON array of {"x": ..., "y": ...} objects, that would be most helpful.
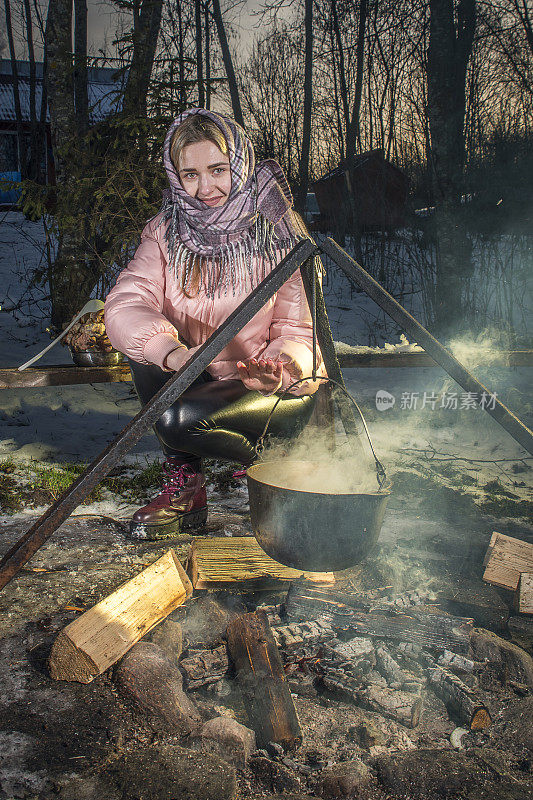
[{"x": 74, "y": 423}]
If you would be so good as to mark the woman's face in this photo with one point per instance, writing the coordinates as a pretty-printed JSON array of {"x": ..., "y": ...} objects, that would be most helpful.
[{"x": 204, "y": 173}]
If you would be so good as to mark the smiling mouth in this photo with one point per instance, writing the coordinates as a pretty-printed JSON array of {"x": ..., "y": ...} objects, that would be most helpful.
[{"x": 211, "y": 201}]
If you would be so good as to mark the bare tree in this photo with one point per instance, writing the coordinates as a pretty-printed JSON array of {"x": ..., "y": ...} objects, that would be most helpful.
[
  {"x": 146, "y": 24},
  {"x": 81, "y": 91},
  {"x": 352, "y": 132},
  {"x": 303, "y": 170},
  {"x": 21, "y": 139},
  {"x": 450, "y": 46},
  {"x": 228, "y": 63},
  {"x": 59, "y": 79},
  {"x": 199, "y": 53}
]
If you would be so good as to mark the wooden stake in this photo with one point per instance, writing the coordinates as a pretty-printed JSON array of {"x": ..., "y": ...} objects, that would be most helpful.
[
  {"x": 260, "y": 674},
  {"x": 95, "y": 641}
]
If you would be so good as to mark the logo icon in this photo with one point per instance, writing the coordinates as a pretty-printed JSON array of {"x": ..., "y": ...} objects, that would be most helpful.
[{"x": 384, "y": 400}]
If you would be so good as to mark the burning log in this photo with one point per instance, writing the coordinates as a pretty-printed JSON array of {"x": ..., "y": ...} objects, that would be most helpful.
[
  {"x": 260, "y": 674},
  {"x": 405, "y": 600},
  {"x": 95, "y": 641},
  {"x": 204, "y": 667},
  {"x": 355, "y": 656},
  {"x": 423, "y": 628},
  {"x": 506, "y": 558},
  {"x": 402, "y": 707},
  {"x": 460, "y": 699}
]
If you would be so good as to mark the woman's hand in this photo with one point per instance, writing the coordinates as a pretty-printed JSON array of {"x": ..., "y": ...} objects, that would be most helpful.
[
  {"x": 263, "y": 375},
  {"x": 177, "y": 358}
]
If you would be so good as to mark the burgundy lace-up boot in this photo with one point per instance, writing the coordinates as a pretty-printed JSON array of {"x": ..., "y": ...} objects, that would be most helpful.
[{"x": 181, "y": 503}]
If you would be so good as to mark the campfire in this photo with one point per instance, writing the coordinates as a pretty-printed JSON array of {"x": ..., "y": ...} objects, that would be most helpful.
[{"x": 299, "y": 681}]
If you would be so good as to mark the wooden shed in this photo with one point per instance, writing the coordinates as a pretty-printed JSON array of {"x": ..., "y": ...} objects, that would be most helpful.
[
  {"x": 367, "y": 191},
  {"x": 104, "y": 91}
]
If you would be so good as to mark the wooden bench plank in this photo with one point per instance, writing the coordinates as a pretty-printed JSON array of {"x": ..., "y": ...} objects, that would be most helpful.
[
  {"x": 62, "y": 375},
  {"x": 69, "y": 374}
]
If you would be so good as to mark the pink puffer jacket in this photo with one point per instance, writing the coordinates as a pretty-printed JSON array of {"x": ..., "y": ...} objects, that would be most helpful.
[{"x": 146, "y": 313}]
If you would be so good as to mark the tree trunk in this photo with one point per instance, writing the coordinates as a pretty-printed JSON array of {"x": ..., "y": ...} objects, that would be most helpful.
[
  {"x": 228, "y": 64},
  {"x": 199, "y": 54},
  {"x": 449, "y": 50},
  {"x": 21, "y": 140},
  {"x": 352, "y": 134},
  {"x": 145, "y": 37},
  {"x": 181, "y": 57},
  {"x": 81, "y": 91},
  {"x": 58, "y": 78},
  {"x": 207, "y": 57},
  {"x": 303, "y": 170},
  {"x": 36, "y": 148},
  {"x": 342, "y": 70}
]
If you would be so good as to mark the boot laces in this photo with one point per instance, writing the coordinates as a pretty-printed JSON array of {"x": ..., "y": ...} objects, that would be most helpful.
[{"x": 175, "y": 477}]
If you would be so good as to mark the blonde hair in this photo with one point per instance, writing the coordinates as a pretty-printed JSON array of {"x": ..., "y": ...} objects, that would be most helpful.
[{"x": 193, "y": 129}]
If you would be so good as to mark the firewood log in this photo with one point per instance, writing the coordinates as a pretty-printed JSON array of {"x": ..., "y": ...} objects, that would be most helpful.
[
  {"x": 460, "y": 699},
  {"x": 262, "y": 680},
  {"x": 95, "y": 641},
  {"x": 403, "y": 707},
  {"x": 456, "y": 663},
  {"x": 524, "y": 593},
  {"x": 505, "y": 559},
  {"x": 397, "y": 678}
]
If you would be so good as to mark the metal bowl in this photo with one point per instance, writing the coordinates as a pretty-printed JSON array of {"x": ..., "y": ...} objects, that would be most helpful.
[
  {"x": 96, "y": 358},
  {"x": 312, "y": 530}
]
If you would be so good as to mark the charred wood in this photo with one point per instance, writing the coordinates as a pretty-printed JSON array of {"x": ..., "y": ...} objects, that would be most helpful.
[
  {"x": 397, "y": 678},
  {"x": 421, "y": 627},
  {"x": 289, "y": 637},
  {"x": 457, "y": 663},
  {"x": 462, "y": 701},
  {"x": 403, "y": 707},
  {"x": 261, "y": 677},
  {"x": 404, "y": 600},
  {"x": 204, "y": 667}
]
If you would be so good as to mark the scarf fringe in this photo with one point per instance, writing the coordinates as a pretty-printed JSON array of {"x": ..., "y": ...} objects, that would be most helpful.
[{"x": 228, "y": 265}]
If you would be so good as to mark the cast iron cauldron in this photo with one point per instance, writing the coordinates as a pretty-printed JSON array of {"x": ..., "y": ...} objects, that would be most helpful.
[
  {"x": 316, "y": 531},
  {"x": 312, "y": 531}
]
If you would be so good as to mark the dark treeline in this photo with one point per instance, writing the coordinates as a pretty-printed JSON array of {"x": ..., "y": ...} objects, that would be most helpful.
[{"x": 443, "y": 87}]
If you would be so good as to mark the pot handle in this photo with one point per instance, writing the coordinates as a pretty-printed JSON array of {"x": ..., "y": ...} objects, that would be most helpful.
[{"x": 260, "y": 445}]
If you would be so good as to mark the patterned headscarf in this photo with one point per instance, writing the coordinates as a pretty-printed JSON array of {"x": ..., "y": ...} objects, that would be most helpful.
[{"x": 256, "y": 220}]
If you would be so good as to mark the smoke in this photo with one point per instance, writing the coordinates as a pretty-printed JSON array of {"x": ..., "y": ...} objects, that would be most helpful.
[
  {"x": 474, "y": 351},
  {"x": 310, "y": 463}
]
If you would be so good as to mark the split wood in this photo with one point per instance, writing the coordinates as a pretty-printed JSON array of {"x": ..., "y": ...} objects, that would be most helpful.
[
  {"x": 95, "y": 641},
  {"x": 505, "y": 559},
  {"x": 524, "y": 595}
]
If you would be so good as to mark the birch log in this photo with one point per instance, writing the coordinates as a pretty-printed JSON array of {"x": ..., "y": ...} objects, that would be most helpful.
[{"x": 95, "y": 641}]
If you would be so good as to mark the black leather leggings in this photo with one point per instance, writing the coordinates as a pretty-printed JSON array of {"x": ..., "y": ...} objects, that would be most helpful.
[{"x": 218, "y": 419}]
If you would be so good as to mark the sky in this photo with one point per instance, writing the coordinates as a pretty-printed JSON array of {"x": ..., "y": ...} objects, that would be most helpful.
[{"x": 102, "y": 24}]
